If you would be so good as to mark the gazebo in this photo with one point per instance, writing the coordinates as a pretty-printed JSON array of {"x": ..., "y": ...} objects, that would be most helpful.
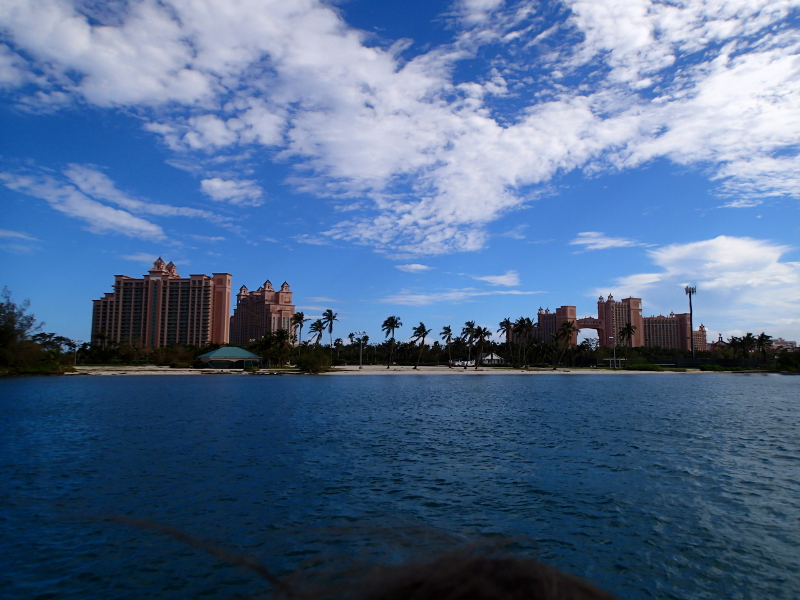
[
  {"x": 491, "y": 359},
  {"x": 230, "y": 357}
]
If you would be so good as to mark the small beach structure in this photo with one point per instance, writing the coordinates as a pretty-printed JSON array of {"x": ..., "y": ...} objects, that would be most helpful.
[
  {"x": 230, "y": 357},
  {"x": 491, "y": 359}
]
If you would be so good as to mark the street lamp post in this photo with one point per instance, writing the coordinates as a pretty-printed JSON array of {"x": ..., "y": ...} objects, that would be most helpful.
[
  {"x": 613, "y": 337},
  {"x": 360, "y": 335},
  {"x": 691, "y": 291},
  {"x": 75, "y": 350}
]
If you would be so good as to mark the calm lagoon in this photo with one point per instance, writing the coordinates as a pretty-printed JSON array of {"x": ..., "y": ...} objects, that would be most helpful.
[{"x": 651, "y": 486}]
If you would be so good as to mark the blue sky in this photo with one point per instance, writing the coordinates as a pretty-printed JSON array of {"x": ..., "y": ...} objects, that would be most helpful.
[{"x": 440, "y": 161}]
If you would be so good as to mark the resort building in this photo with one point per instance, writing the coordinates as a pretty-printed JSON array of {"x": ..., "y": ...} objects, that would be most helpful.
[
  {"x": 163, "y": 308},
  {"x": 548, "y": 323},
  {"x": 260, "y": 311},
  {"x": 782, "y": 344},
  {"x": 612, "y": 316}
]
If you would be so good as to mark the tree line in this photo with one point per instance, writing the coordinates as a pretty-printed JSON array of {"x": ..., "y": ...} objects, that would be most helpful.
[{"x": 26, "y": 348}]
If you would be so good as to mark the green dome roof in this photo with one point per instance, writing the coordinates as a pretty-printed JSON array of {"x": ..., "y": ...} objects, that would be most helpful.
[{"x": 231, "y": 352}]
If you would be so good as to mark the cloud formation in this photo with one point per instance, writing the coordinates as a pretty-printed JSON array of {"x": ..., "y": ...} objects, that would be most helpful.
[
  {"x": 414, "y": 268},
  {"x": 244, "y": 192},
  {"x": 509, "y": 279},
  {"x": 597, "y": 240},
  {"x": 98, "y": 217},
  {"x": 712, "y": 85},
  {"x": 740, "y": 280},
  {"x": 409, "y": 298}
]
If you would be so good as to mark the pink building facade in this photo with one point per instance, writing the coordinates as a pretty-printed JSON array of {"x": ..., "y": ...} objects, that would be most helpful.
[
  {"x": 163, "y": 308},
  {"x": 261, "y": 311},
  {"x": 665, "y": 332}
]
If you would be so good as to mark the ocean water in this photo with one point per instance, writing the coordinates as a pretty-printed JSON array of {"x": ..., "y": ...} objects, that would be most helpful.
[{"x": 652, "y": 486}]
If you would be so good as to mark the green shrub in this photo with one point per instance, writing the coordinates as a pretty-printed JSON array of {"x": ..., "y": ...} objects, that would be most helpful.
[
  {"x": 788, "y": 361},
  {"x": 712, "y": 368},
  {"x": 179, "y": 365},
  {"x": 314, "y": 362},
  {"x": 644, "y": 367},
  {"x": 252, "y": 368}
]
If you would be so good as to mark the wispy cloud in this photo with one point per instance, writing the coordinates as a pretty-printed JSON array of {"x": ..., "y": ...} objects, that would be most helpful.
[
  {"x": 305, "y": 238},
  {"x": 7, "y": 233},
  {"x": 516, "y": 232},
  {"x": 17, "y": 242},
  {"x": 321, "y": 299},
  {"x": 596, "y": 240},
  {"x": 244, "y": 192},
  {"x": 741, "y": 281},
  {"x": 145, "y": 258},
  {"x": 99, "y": 186},
  {"x": 744, "y": 203},
  {"x": 509, "y": 279},
  {"x": 414, "y": 268},
  {"x": 409, "y": 298},
  {"x": 73, "y": 203},
  {"x": 407, "y": 162}
]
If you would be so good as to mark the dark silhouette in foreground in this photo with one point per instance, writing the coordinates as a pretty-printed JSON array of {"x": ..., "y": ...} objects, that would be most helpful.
[{"x": 465, "y": 574}]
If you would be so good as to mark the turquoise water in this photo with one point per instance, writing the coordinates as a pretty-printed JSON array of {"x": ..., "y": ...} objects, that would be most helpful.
[{"x": 653, "y": 486}]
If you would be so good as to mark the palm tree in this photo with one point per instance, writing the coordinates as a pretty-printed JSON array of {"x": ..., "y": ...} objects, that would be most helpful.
[
  {"x": 338, "y": 344},
  {"x": 420, "y": 332},
  {"x": 747, "y": 344},
  {"x": 626, "y": 334},
  {"x": 735, "y": 344},
  {"x": 506, "y": 328},
  {"x": 763, "y": 341},
  {"x": 389, "y": 326},
  {"x": 468, "y": 333},
  {"x": 565, "y": 333},
  {"x": 523, "y": 327},
  {"x": 282, "y": 342},
  {"x": 447, "y": 336},
  {"x": 328, "y": 317},
  {"x": 317, "y": 328},
  {"x": 481, "y": 334},
  {"x": 298, "y": 320}
]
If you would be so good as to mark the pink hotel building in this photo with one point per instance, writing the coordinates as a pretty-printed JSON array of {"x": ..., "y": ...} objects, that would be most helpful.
[
  {"x": 163, "y": 308},
  {"x": 665, "y": 332}
]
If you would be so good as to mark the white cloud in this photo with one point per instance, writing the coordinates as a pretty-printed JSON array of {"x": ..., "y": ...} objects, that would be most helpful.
[
  {"x": 244, "y": 192},
  {"x": 17, "y": 242},
  {"x": 149, "y": 259},
  {"x": 596, "y": 240},
  {"x": 516, "y": 232},
  {"x": 321, "y": 299},
  {"x": 431, "y": 160},
  {"x": 305, "y": 238},
  {"x": 141, "y": 257},
  {"x": 510, "y": 279},
  {"x": 7, "y": 233},
  {"x": 99, "y": 186},
  {"x": 408, "y": 298},
  {"x": 741, "y": 283},
  {"x": 66, "y": 199},
  {"x": 414, "y": 268}
]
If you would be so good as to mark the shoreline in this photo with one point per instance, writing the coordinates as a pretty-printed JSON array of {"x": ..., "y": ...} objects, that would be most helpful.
[{"x": 349, "y": 370}]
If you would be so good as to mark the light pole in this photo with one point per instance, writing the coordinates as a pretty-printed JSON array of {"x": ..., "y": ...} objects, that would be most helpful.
[
  {"x": 613, "y": 337},
  {"x": 360, "y": 335},
  {"x": 691, "y": 291},
  {"x": 76, "y": 343}
]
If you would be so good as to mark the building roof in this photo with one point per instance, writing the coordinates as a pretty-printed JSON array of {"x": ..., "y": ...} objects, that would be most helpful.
[{"x": 229, "y": 352}]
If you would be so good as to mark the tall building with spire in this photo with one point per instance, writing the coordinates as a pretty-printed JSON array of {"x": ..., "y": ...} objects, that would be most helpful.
[
  {"x": 260, "y": 311},
  {"x": 163, "y": 308}
]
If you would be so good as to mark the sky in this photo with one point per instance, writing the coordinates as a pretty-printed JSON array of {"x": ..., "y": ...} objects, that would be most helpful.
[{"x": 439, "y": 161}]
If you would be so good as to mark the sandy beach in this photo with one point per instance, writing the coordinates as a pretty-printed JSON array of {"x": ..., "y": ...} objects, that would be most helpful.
[{"x": 366, "y": 370}]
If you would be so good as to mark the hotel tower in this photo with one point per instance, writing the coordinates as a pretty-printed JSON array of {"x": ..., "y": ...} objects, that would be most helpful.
[{"x": 163, "y": 308}]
